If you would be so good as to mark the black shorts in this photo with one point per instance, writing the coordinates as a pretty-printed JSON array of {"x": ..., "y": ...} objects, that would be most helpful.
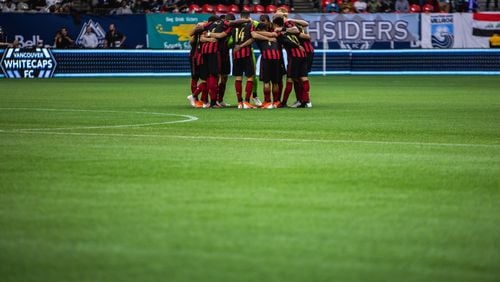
[
  {"x": 211, "y": 65},
  {"x": 297, "y": 67},
  {"x": 196, "y": 64},
  {"x": 225, "y": 66},
  {"x": 244, "y": 65},
  {"x": 270, "y": 71},
  {"x": 310, "y": 59}
]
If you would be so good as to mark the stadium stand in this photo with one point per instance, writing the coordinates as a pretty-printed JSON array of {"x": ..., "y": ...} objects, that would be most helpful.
[{"x": 102, "y": 7}]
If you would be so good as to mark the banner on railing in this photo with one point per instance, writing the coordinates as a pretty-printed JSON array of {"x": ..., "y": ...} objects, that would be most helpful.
[
  {"x": 171, "y": 31},
  {"x": 456, "y": 30},
  {"x": 39, "y": 30},
  {"x": 363, "y": 31},
  {"x": 28, "y": 63}
]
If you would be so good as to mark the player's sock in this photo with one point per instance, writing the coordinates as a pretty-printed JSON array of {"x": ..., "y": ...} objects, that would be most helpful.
[
  {"x": 267, "y": 94},
  {"x": 297, "y": 85},
  {"x": 305, "y": 91},
  {"x": 222, "y": 91},
  {"x": 288, "y": 90},
  {"x": 276, "y": 94},
  {"x": 200, "y": 89},
  {"x": 194, "y": 85},
  {"x": 212, "y": 88},
  {"x": 248, "y": 90},
  {"x": 239, "y": 88}
]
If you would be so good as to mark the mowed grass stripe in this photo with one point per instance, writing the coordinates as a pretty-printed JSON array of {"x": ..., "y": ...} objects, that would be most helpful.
[
  {"x": 282, "y": 195},
  {"x": 260, "y": 139}
]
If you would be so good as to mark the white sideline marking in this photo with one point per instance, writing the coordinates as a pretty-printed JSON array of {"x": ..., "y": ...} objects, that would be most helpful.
[
  {"x": 260, "y": 139},
  {"x": 188, "y": 119},
  {"x": 193, "y": 118}
]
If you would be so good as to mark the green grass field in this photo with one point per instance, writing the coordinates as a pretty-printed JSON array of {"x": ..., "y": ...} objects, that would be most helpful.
[{"x": 384, "y": 179}]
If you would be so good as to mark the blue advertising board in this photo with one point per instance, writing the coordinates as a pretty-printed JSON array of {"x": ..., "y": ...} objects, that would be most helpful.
[
  {"x": 363, "y": 31},
  {"x": 40, "y": 29}
]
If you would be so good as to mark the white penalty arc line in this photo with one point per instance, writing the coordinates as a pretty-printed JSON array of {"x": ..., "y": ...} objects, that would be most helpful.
[
  {"x": 262, "y": 139},
  {"x": 188, "y": 118}
]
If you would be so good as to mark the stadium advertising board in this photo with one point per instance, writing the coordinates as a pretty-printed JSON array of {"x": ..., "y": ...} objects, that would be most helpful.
[
  {"x": 24, "y": 28},
  {"x": 465, "y": 30},
  {"x": 28, "y": 63},
  {"x": 171, "y": 31},
  {"x": 363, "y": 31}
]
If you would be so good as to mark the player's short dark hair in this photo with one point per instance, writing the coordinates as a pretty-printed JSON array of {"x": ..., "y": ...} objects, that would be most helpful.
[
  {"x": 245, "y": 15},
  {"x": 279, "y": 21},
  {"x": 264, "y": 18},
  {"x": 230, "y": 17},
  {"x": 213, "y": 18}
]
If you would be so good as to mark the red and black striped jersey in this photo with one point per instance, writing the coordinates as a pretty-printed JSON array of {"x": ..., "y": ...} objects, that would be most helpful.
[
  {"x": 241, "y": 34},
  {"x": 306, "y": 43},
  {"x": 269, "y": 50},
  {"x": 292, "y": 45},
  {"x": 216, "y": 27}
]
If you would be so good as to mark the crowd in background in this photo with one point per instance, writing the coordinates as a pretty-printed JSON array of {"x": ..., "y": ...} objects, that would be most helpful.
[{"x": 118, "y": 7}]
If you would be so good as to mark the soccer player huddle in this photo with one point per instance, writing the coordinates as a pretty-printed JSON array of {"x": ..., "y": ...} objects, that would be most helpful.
[{"x": 212, "y": 41}]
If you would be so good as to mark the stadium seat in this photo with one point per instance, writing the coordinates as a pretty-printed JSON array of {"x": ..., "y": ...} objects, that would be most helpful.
[
  {"x": 220, "y": 9},
  {"x": 247, "y": 8},
  {"x": 285, "y": 7},
  {"x": 193, "y": 8},
  {"x": 208, "y": 9},
  {"x": 259, "y": 9},
  {"x": 414, "y": 8},
  {"x": 233, "y": 9},
  {"x": 325, "y": 4},
  {"x": 428, "y": 8},
  {"x": 270, "y": 9}
]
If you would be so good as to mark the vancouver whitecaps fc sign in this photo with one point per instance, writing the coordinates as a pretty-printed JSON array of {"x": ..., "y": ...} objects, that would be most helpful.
[{"x": 28, "y": 63}]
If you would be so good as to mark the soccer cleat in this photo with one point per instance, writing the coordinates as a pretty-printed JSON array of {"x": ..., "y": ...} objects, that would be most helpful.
[
  {"x": 198, "y": 104},
  {"x": 278, "y": 105},
  {"x": 222, "y": 104},
  {"x": 267, "y": 105},
  {"x": 240, "y": 105},
  {"x": 247, "y": 105},
  {"x": 192, "y": 100},
  {"x": 305, "y": 105},
  {"x": 296, "y": 104},
  {"x": 206, "y": 106},
  {"x": 256, "y": 101}
]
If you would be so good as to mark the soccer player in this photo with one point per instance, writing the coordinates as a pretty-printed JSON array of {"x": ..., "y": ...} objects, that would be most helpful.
[
  {"x": 270, "y": 64},
  {"x": 196, "y": 64},
  {"x": 211, "y": 57},
  {"x": 289, "y": 24},
  {"x": 243, "y": 60},
  {"x": 297, "y": 70}
]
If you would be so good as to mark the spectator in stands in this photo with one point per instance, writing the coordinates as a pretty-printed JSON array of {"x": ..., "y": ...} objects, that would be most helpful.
[
  {"x": 401, "y": 6},
  {"x": 14, "y": 44},
  {"x": 62, "y": 39},
  {"x": 387, "y": 6},
  {"x": 374, "y": 6},
  {"x": 488, "y": 4},
  {"x": 174, "y": 6},
  {"x": 332, "y": 7},
  {"x": 444, "y": 6},
  {"x": 7, "y": 7},
  {"x": 89, "y": 39},
  {"x": 114, "y": 39},
  {"x": 360, "y": 6},
  {"x": 124, "y": 9},
  {"x": 347, "y": 7}
]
